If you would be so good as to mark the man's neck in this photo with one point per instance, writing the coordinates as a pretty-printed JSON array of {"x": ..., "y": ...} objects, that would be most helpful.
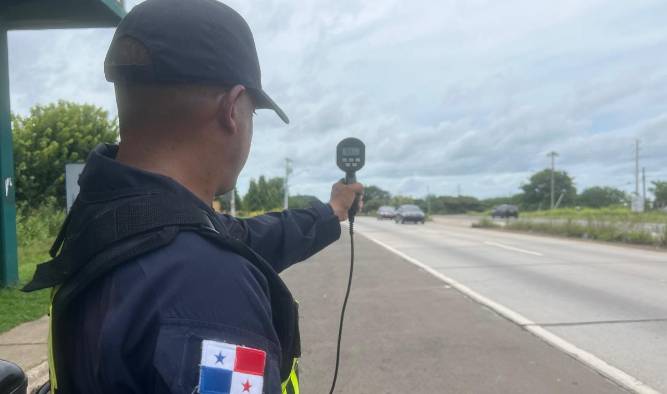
[{"x": 172, "y": 164}]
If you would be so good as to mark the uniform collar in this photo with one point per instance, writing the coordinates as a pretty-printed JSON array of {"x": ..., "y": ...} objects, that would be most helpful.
[{"x": 103, "y": 173}]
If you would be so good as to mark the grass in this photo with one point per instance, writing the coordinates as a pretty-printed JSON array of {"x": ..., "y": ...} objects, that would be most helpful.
[
  {"x": 36, "y": 230},
  {"x": 485, "y": 223},
  {"x": 611, "y": 214},
  {"x": 597, "y": 230}
]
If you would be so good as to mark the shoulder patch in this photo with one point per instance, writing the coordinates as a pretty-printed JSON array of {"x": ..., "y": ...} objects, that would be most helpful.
[{"x": 230, "y": 369}]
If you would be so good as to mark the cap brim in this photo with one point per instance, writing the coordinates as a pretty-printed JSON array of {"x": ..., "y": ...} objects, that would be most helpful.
[{"x": 263, "y": 101}]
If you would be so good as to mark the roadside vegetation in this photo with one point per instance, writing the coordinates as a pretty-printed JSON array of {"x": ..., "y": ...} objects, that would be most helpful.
[
  {"x": 620, "y": 232},
  {"x": 599, "y": 213},
  {"x": 36, "y": 230},
  {"x": 610, "y": 214}
]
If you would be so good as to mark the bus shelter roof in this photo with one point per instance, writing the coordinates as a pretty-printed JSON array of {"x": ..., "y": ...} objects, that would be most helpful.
[{"x": 59, "y": 14}]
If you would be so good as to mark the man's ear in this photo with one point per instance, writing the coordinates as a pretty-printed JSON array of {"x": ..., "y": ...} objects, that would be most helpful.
[{"x": 228, "y": 111}]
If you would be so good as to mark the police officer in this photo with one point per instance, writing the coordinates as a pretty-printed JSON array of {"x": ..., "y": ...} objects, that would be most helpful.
[{"x": 152, "y": 291}]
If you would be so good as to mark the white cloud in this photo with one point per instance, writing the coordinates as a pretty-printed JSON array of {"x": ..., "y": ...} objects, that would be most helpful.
[{"x": 444, "y": 92}]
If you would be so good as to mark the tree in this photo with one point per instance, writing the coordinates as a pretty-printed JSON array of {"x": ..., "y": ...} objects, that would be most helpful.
[
  {"x": 275, "y": 193},
  {"x": 601, "y": 196},
  {"x": 659, "y": 189},
  {"x": 401, "y": 200},
  {"x": 301, "y": 201},
  {"x": 454, "y": 205},
  {"x": 264, "y": 195},
  {"x": 490, "y": 203},
  {"x": 537, "y": 192},
  {"x": 252, "y": 200},
  {"x": 50, "y": 137},
  {"x": 226, "y": 201},
  {"x": 374, "y": 198}
]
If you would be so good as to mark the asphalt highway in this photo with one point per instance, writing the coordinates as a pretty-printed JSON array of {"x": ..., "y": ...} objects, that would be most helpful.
[
  {"x": 608, "y": 300},
  {"x": 406, "y": 331}
]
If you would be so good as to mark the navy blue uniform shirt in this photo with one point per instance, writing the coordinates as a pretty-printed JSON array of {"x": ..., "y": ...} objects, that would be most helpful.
[{"x": 140, "y": 328}]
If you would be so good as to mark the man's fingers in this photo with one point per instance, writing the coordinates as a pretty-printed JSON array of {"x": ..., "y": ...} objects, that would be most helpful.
[
  {"x": 342, "y": 197},
  {"x": 356, "y": 187}
]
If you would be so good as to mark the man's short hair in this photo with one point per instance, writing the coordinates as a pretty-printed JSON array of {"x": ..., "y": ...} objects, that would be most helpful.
[{"x": 152, "y": 103}]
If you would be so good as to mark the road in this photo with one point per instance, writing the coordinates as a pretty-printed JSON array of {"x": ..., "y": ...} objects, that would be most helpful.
[
  {"x": 408, "y": 332},
  {"x": 608, "y": 300}
]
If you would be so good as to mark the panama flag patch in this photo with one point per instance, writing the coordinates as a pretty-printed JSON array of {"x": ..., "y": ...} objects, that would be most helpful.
[{"x": 230, "y": 369}]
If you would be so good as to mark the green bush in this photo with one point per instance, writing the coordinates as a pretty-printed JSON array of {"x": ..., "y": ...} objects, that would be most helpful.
[
  {"x": 36, "y": 229},
  {"x": 50, "y": 137},
  {"x": 38, "y": 224},
  {"x": 485, "y": 223}
]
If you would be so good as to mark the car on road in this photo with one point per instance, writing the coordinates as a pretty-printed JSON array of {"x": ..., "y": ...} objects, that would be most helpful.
[
  {"x": 505, "y": 211},
  {"x": 386, "y": 212},
  {"x": 409, "y": 213}
]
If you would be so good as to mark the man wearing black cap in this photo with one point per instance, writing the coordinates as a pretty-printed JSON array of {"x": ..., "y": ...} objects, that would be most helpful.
[{"x": 154, "y": 292}]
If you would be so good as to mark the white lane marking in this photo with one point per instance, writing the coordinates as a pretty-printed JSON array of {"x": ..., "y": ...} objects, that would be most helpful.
[
  {"x": 622, "y": 378},
  {"x": 499, "y": 245}
]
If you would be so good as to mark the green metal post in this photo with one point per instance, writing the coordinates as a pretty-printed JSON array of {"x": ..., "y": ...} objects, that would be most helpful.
[{"x": 8, "y": 259}]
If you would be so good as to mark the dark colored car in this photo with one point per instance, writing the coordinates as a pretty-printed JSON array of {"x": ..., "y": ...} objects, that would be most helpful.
[
  {"x": 409, "y": 213},
  {"x": 386, "y": 212},
  {"x": 505, "y": 211}
]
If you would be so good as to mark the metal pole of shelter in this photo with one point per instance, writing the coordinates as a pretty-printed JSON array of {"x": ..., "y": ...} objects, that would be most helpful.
[
  {"x": 34, "y": 14},
  {"x": 8, "y": 251}
]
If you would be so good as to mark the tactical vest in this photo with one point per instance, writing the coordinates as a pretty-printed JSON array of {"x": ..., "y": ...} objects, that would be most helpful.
[{"x": 106, "y": 230}]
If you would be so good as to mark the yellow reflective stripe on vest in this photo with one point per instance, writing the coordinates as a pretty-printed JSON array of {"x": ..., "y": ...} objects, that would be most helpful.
[
  {"x": 52, "y": 361},
  {"x": 291, "y": 384}
]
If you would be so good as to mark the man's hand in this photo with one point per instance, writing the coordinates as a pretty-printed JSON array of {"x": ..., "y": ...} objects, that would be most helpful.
[{"x": 342, "y": 197}]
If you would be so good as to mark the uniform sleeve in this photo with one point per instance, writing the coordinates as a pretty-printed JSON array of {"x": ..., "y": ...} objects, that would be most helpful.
[
  {"x": 214, "y": 331},
  {"x": 288, "y": 237},
  {"x": 209, "y": 357}
]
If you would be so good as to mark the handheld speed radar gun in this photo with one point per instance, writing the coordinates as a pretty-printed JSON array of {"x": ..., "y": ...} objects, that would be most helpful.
[{"x": 350, "y": 157}]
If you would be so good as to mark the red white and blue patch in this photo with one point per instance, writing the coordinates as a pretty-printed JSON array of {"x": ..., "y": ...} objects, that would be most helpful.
[{"x": 230, "y": 369}]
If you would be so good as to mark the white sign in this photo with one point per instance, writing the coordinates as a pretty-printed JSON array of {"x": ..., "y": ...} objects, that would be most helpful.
[{"x": 72, "y": 173}]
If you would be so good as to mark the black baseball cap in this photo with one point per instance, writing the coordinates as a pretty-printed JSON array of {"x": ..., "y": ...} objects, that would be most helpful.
[{"x": 190, "y": 41}]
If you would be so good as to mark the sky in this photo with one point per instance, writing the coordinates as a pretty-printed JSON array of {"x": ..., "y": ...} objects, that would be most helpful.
[{"x": 447, "y": 95}]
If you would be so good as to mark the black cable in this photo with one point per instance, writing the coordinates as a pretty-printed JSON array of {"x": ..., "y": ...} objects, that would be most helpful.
[{"x": 342, "y": 312}]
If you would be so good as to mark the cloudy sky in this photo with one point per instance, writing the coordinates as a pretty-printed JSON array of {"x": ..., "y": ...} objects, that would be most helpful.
[{"x": 445, "y": 93}]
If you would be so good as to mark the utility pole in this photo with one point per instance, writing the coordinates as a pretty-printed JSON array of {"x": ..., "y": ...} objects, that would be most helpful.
[
  {"x": 458, "y": 190},
  {"x": 644, "y": 186},
  {"x": 637, "y": 168},
  {"x": 553, "y": 156},
  {"x": 288, "y": 171},
  {"x": 232, "y": 202}
]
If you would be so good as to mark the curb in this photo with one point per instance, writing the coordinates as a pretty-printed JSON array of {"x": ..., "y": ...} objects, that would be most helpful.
[{"x": 37, "y": 376}]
